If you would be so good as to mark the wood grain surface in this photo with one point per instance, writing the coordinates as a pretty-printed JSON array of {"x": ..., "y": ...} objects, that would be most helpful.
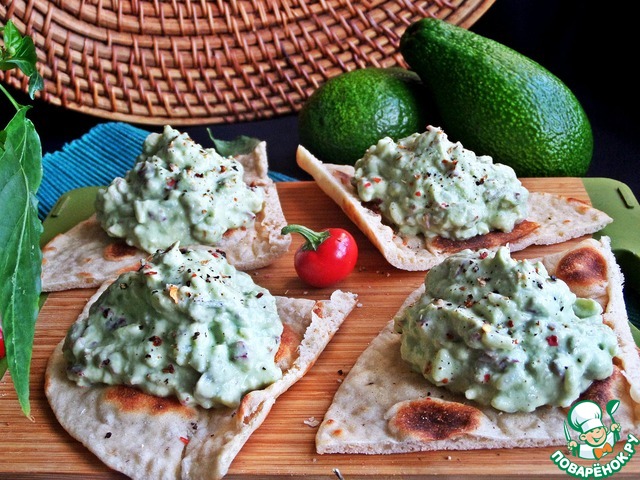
[{"x": 284, "y": 445}]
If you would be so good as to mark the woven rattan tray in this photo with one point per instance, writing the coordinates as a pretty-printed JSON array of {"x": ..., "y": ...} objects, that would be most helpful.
[{"x": 188, "y": 62}]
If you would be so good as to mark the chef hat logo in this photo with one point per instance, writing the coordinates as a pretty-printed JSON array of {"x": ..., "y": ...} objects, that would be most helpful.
[{"x": 585, "y": 416}]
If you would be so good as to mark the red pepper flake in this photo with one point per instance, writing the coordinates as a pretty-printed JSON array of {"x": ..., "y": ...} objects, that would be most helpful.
[
  {"x": 487, "y": 377},
  {"x": 484, "y": 255},
  {"x": 184, "y": 440},
  {"x": 151, "y": 272},
  {"x": 418, "y": 194},
  {"x": 156, "y": 340},
  {"x": 510, "y": 324},
  {"x": 469, "y": 302},
  {"x": 377, "y": 179},
  {"x": 445, "y": 380},
  {"x": 171, "y": 182},
  {"x": 552, "y": 340},
  {"x": 169, "y": 369},
  {"x": 367, "y": 185}
]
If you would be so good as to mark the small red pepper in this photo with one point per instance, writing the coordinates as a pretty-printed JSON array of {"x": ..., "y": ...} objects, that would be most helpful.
[{"x": 326, "y": 257}]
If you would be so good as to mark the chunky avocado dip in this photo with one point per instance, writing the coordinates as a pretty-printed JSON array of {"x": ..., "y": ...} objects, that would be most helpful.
[
  {"x": 177, "y": 192},
  {"x": 186, "y": 324},
  {"x": 505, "y": 333},
  {"x": 425, "y": 184}
]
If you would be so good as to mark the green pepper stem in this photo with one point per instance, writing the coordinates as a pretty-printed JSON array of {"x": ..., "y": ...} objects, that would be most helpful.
[{"x": 313, "y": 239}]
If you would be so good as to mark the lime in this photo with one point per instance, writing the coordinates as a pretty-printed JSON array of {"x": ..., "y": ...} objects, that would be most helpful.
[{"x": 352, "y": 111}]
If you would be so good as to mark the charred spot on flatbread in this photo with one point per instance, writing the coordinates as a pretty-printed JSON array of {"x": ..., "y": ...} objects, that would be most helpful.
[
  {"x": 489, "y": 240},
  {"x": 581, "y": 206},
  {"x": 601, "y": 391},
  {"x": 289, "y": 341},
  {"x": 86, "y": 277},
  {"x": 427, "y": 419},
  {"x": 129, "y": 399},
  {"x": 582, "y": 267},
  {"x": 118, "y": 250},
  {"x": 134, "y": 267},
  {"x": 48, "y": 248}
]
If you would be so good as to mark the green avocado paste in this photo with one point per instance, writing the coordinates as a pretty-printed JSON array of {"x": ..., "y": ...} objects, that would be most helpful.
[
  {"x": 425, "y": 184},
  {"x": 186, "y": 324},
  {"x": 505, "y": 333},
  {"x": 177, "y": 191}
]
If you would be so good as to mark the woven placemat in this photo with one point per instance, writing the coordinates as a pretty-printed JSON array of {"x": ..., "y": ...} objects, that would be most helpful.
[{"x": 190, "y": 62}]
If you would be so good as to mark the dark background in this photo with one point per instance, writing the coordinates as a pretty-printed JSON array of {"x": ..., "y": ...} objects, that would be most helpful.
[{"x": 592, "y": 48}]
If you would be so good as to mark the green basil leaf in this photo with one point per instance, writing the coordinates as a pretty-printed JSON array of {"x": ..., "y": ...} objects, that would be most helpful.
[
  {"x": 240, "y": 145},
  {"x": 20, "y": 254},
  {"x": 20, "y": 52}
]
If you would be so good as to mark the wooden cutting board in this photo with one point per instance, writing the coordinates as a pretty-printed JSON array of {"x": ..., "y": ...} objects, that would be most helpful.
[{"x": 284, "y": 445}]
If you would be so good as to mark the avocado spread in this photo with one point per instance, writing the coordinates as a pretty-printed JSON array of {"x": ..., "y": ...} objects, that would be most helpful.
[
  {"x": 177, "y": 191},
  {"x": 186, "y": 324},
  {"x": 505, "y": 333},
  {"x": 425, "y": 184}
]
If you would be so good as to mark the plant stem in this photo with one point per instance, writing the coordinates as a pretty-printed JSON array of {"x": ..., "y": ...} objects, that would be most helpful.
[{"x": 313, "y": 239}]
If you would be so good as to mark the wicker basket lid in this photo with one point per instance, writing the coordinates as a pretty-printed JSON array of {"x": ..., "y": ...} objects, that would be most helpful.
[{"x": 188, "y": 62}]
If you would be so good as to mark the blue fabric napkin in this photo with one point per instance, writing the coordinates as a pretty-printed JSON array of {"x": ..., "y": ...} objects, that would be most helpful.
[{"x": 106, "y": 151}]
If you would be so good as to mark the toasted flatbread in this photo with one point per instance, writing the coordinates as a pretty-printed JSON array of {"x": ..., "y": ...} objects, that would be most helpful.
[
  {"x": 85, "y": 256},
  {"x": 383, "y": 406},
  {"x": 552, "y": 219},
  {"x": 146, "y": 437}
]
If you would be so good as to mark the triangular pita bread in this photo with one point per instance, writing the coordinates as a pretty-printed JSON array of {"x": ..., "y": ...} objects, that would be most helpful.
[
  {"x": 552, "y": 219},
  {"x": 147, "y": 437},
  {"x": 383, "y": 406},
  {"x": 85, "y": 256}
]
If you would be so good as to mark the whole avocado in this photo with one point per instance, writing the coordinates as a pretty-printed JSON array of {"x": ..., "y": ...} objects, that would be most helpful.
[
  {"x": 353, "y": 110},
  {"x": 499, "y": 102}
]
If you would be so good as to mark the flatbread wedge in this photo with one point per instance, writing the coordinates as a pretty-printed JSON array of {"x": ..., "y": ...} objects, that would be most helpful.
[
  {"x": 85, "y": 256},
  {"x": 145, "y": 437},
  {"x": 552, "y": 219},
  {"x": 385, "y": 407}
]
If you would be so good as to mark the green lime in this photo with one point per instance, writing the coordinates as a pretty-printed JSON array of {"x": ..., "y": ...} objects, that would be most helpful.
[
  {"x": 352, "y": 111},
  {"x": 497, "y": 102}
]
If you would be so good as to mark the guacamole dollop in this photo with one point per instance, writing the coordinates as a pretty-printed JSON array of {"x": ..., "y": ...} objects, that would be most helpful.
[
  {"x": 425, "y": 184},
  {"x": 187, "y": 324},
  {"x": 505, "y": 333},
  {"x": 177, "y": 191}
]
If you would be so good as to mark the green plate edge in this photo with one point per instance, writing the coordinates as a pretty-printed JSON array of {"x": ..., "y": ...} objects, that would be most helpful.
[
  {"x": 70, "y": 209},
  {"x": 617, "y": 199}
]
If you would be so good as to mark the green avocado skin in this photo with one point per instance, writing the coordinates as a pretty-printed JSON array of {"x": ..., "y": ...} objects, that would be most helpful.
[{"x": 499, "y": 102}]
